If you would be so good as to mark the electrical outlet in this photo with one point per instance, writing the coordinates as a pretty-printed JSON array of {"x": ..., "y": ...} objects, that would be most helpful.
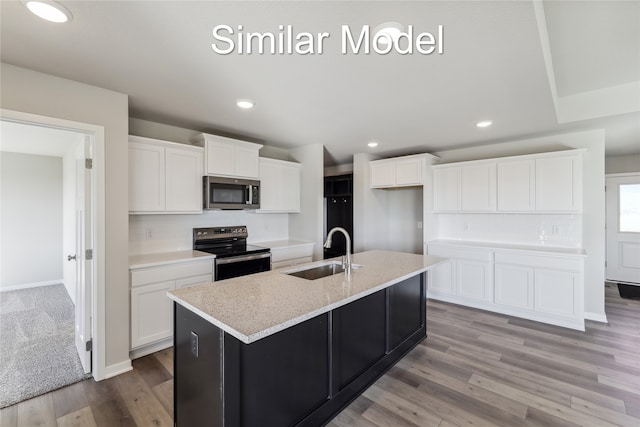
[
  {"x": 419, "y": 225},
  {"x": 194, "y": 344},
  {"x": 148, "y": 233}
]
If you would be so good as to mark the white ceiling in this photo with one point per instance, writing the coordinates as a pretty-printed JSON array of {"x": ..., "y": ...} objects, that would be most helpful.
[
  {"x": 495, "y": 66},
  {"x": 29, "y": 139}
]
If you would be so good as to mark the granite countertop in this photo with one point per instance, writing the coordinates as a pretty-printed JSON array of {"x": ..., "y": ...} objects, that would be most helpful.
[
  {"x": 282, "y": 244},
  {"x": 164, "y": 258},
  {"x": 554, "y": 250},
  {"x": 258, "y": 305}
]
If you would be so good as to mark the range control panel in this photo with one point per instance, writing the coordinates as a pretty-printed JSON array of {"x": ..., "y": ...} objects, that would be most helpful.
[{"x": 214, "y": 233}]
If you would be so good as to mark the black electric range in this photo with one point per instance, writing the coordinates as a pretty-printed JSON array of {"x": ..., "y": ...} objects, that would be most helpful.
[{"x": 234, "y": 257}]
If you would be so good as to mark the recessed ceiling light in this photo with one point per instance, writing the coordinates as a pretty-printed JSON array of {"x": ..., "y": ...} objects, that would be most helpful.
[
  {"x": 245, "y": 104},
  {"x": 372, "y": 144},
  {"x": 391, "y": 29},
  {"x": 49, "y": 10},
  {"x": 484, "y": 123}
]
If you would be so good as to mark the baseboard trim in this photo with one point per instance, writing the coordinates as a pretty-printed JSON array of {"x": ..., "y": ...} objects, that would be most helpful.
[
  {"x": 31, "y": 285},
  {"x": 117, "y": 369},
  {"x": 151, "y": 348},
  {"x": 596, "y": 317}
]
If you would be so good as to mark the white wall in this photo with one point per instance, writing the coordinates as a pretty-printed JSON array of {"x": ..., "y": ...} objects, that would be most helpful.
[
  {"x": 309, "y": 223},
  {"x": 404, "y": 212},
  {"x": 593, "y": 217},
  {"x": 370, "y": 229},
  {"x": 31, "y": 220},
  {"x": 37, "y": 93},
  {"x": 622, "y": 164},
  {"x": 162, "y": 233}
]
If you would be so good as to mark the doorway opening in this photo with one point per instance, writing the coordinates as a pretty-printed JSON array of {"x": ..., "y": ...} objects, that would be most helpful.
[
  {"x": 623, "y": 232},
  {"x": 48, "y": 279}
]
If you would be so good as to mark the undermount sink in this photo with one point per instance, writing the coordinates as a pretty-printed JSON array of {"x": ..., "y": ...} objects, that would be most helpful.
[{"x": 320, "y": 271}]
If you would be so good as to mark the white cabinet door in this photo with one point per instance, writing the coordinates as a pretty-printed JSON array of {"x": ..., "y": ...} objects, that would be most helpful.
[
  {"x": 409, "y": 172},
  {"x": 151, "y": 313},
  {"x": 279, "y": 186},
  {"x": 382, "y": 173},
  {"x": 246, "y": 161},
  {"x": 446, "y": 189},
  {"x": 146, "y": 177},
  {"x": 516, "y": 185},
  {"x": 478, "y": 187},
  {"x": 183, "y": 180},
  {"x": 221, "y": 157},
  {"x": 556, "y": 293},
  {"x": 229, "y": 157},
  {"x": 514, "y": 286},
  {"x": 559, "y": 183},
  {"x": 441, "y": 278},
  {"x": 269, "y": 185},
  {"x": 290, "y": 199},
  {"x": 473, "y": 279}
]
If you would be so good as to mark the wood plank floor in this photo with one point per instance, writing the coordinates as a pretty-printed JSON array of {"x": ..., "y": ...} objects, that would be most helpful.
[{"x": 475, "y": 368}]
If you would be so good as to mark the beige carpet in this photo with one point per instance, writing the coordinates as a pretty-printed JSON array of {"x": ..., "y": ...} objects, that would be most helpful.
[{"x": 37, "y": 350}]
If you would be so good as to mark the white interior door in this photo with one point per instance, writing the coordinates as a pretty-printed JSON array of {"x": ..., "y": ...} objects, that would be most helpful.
[
  {"x": 84, "y": 264},
  {"x": 623, "y": 228}
]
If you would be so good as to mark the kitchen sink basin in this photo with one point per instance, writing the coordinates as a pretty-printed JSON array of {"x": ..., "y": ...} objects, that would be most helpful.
[{"x": 320, "y": 271}]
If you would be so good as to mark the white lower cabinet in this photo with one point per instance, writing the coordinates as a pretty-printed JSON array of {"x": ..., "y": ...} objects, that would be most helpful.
[
  {"x": 467, "y": 274},
  {"x": 151, "y": 313},
  {"x": 152, "y": 310},
  {"x": 514, "y": 286},
  {"x": 546, "y": 288}
]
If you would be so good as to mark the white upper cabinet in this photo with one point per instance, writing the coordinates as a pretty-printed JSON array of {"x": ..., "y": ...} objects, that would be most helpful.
[
  {"x": 547, "y": 183},
  {"x": 146, "y": 176},
  {"x": 404, "y": 171},
  {"x": 559, "y": 183},
  {"x": 446, "y": 189},
  {"x": 382, "y": 173},
  {"x": 229, "y": 157},
  {"x": 183, "y": 183},
  {"x": 516, "y": 185},
  {"x": 478, "y": 187},
  {"x": 164, "y": 177},
  {"x": 279, "y": 186}
]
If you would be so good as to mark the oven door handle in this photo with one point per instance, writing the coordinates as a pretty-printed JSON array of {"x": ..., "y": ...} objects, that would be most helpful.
[{"x": 242, "y": 258}]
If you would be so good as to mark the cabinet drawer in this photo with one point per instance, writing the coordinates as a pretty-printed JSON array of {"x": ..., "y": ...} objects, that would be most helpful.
[
  {"x": 530, "y": 260},
  {"x": 460, "y": 253},
  {"x": 193, "y": 281},
  {"x": 284, "y": 254},
  {"x": 171, "y": 272},
  {"x": 290, "y": 262}
]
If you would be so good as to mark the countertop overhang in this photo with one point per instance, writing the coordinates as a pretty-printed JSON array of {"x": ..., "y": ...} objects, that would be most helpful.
[{"x": 258, "y": 305}]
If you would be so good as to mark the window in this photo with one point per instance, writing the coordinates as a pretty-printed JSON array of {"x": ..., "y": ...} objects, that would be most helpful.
[{"x": 629, "y": 196}]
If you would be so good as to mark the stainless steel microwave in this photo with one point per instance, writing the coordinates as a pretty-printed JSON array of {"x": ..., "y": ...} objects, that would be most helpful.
[{"x": 230, "y": 193}]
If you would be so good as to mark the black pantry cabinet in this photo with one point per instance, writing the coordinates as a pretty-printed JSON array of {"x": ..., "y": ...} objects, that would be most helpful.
[{"x": 301, "y": 376}]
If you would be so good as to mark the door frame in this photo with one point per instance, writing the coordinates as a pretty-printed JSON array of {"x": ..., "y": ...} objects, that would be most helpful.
[
  {"x": 607, "y": 177},
  {"x": 96, "y": 133}
]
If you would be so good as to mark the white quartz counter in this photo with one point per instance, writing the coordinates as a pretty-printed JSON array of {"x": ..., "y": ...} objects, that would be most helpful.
[
  {"x": 553, "y": 250},
  {"x": 255, "y": 306},
  {"x": 164, "y": 258}
]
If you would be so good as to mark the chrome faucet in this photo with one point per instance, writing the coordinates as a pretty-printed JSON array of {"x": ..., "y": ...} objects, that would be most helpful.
[{"x": 346, "y": 261}]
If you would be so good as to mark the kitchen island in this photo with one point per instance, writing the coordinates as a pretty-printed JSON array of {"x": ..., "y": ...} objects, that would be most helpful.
[{"x": 272, "y": 349}]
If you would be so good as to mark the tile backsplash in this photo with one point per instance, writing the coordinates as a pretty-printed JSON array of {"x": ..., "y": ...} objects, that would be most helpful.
[{"x": 563, "y": 230}]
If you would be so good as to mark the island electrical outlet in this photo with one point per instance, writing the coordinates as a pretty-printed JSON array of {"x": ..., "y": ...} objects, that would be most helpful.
[{"x": 194, "y": 344}]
